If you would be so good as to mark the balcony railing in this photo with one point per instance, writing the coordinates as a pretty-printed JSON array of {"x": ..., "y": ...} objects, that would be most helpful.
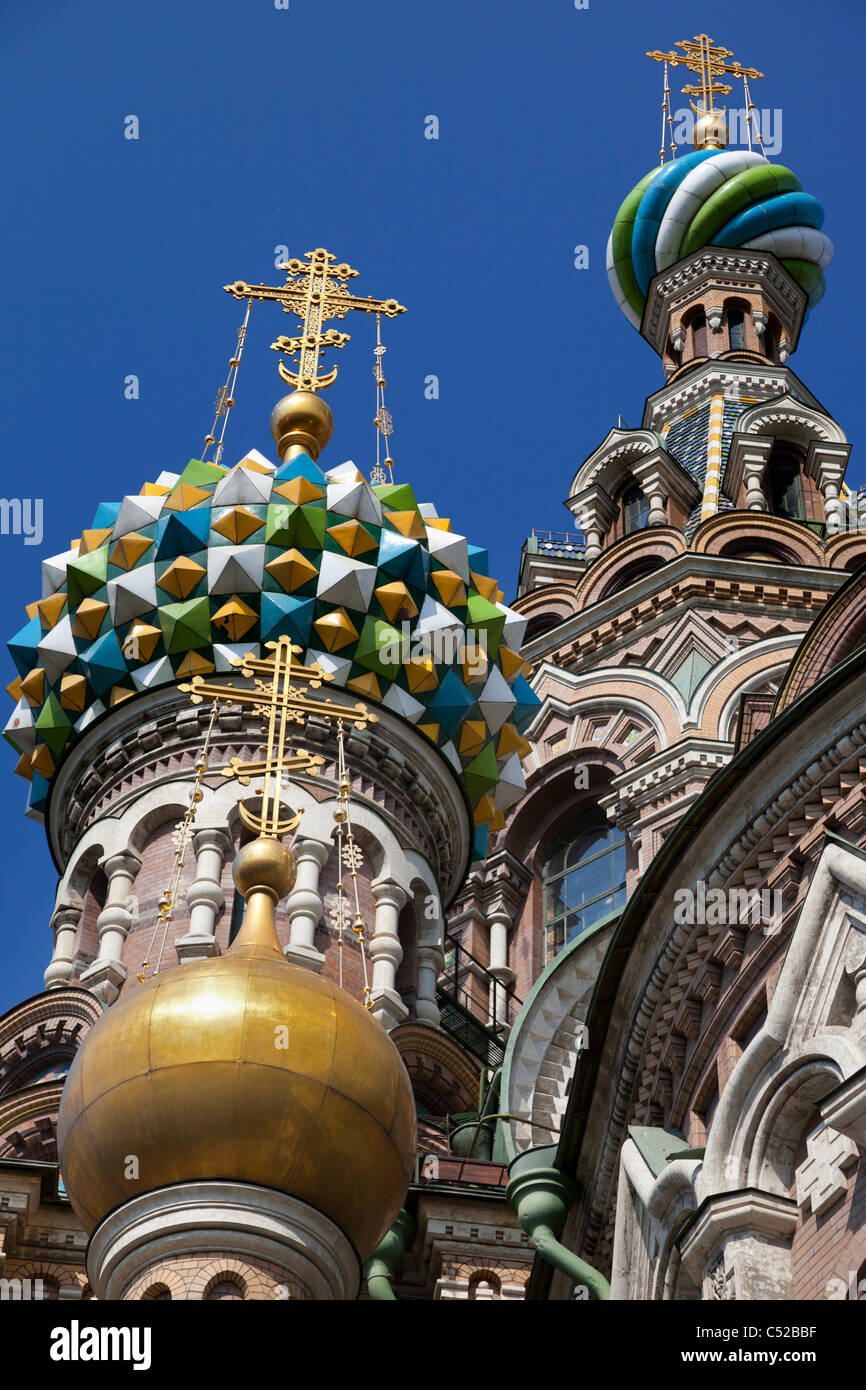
[{"x": 567, "y": 545}]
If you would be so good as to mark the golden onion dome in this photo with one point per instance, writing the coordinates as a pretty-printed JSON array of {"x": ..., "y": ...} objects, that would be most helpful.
[{"x": 242, "y": 1068}]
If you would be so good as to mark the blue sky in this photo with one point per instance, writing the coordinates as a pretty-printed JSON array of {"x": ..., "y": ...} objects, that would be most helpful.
[{"x": 261, "y": 127}]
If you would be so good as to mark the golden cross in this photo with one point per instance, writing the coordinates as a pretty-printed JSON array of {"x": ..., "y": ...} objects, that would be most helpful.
[
  {"x": 281, "y": 699},
  {"x": 703, "y": 57},
  {"x": 314, "y": 293}
]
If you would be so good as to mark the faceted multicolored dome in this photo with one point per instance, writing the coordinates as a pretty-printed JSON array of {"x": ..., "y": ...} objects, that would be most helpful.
[
  {"x": 712, "y": 198},
  {"x": 206, "y": 566}
]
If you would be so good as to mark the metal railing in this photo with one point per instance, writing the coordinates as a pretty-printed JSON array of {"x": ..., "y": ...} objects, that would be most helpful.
[
  {"x": 475, "y": 1023},
  {"x": 565, "y": 544}
]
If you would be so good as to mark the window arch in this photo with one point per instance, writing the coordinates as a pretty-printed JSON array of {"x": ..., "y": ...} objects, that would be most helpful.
[
  {"x": 583, "y": 879},
  {"x": 225, "y": 1287}
]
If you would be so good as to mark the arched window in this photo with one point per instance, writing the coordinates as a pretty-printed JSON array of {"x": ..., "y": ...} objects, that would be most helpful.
[
  {"x": 224, "y": 1288},
  {"x": 785, "y": 485},
  {"x": 699, "y": 335},
  {"x": 635, "y": 510},
  {"x": 583, "y": 879},
  {"x": 736, "y": 328}
]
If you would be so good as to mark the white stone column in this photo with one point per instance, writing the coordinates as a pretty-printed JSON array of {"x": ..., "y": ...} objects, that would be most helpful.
[
  {"x": 65, "y": 924},
  {"x": 105, "y": 977},
  {"x": 431, "y": 959},
  {"x": 826, "y": 464},
  {"x": 499, "y": 922},
  {"x": 304, "y": 904},
  {"x": 386, "y": 953},
  {"x": 753, "y": 476},
  {"x": 204, "y": 897}
]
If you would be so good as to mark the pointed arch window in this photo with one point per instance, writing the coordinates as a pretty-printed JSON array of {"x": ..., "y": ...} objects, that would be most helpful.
[{"x": 583, "y": 879}]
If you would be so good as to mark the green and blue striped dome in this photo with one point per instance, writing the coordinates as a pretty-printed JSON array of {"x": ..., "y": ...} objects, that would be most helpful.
[{"x": 715, "y": 198}]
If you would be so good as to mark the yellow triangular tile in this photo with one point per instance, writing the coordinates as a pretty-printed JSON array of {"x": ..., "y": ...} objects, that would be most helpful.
[
  {"x": 14, "y": 689},
  {"x": 31, "y": 609},
  {"x": 93, "y": 539},
  {"x": 237, "y": 524},
  {"x": 366, "y": 685},
  {"x": 420, "y": 676},
  {"x": 440, "y": 523},
  {"x": 484, "y": 810},
  {"x": 234, "y": 618},
  {"x": 24, "y": 767},
  {"x": 431, "y": 730},
  {"x": 140, "y": 642},
  {"x": 181, "y": 577},
  {"x": 119, "y": 693},
  {"x": 352, "y": 537},
  {"x": 253, "y": 466},
  {"x": 487, "y": 588},
  {"x": 73, "y": 692},
  {"x": 291, "y": 570},
  {"x": 409, "y": 524},
  {"x": 128, "y": 550},
  {"x": 473, "y": 736},
  {"x": 300, "y": 491},
  {"x": 41, "y": 760},
  {"x": 33, "y": 686},
  {"x": 396, "y": 601},
  {"x": 88, "y": 618},
  {"x": 336, "y": 630},
  {"x": 194, "y": 664},
  {"x": 184, "y": 496},
  {"x": 512, "y": 663},
  {"x": 154, "y": 490},
  {"x": 452, "y": 590},
  {"x": 49, "y": 610}
]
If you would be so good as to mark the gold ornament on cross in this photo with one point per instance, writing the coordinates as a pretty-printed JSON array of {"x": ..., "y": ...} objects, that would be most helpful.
[
  {"x": 279, "y": 695},
  {"x": 314, "y": 293}
]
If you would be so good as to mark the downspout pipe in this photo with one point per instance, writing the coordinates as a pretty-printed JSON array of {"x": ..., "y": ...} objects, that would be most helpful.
[
  {"x": 387, "y": 1256},
  {"x": 542, "y": 1197}
]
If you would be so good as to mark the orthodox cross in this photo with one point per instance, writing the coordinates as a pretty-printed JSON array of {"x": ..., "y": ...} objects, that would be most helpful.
[
  {"x": 708, "y": 59},
  {"x": 279, "y": 695},
  {"x": 314, "y": 293}
]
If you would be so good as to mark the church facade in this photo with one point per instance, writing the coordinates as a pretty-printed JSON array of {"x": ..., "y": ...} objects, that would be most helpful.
[{"x": 569, "y": 948}]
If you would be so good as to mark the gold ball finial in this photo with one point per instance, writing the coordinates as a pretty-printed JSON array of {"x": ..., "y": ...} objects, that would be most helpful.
[
  {"x": 264, "y": 865},
  {"x": 301, "y": 423},
  {"x": 710, "y": 132}
]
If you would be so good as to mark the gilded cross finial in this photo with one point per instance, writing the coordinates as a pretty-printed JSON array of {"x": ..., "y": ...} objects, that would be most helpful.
[
  {"x": 314, "y": 293},
  {"x": 703, "y": 56},
  {"x": 279, "y": 695}
]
